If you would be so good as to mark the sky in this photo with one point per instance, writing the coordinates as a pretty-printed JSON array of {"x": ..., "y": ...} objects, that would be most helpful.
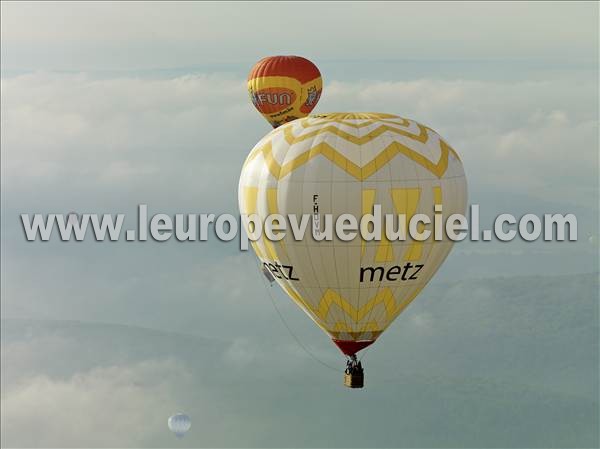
[{"x": 108, "y": 105}]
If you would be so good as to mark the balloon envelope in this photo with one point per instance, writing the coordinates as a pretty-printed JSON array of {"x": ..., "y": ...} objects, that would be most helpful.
[
  {"x": 179, "y": 424},
  {"x": 345, "y": 163},
  {"x": 284, "y": 88}
]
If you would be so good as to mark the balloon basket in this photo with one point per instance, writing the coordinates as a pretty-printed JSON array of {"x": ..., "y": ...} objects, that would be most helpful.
[{"x": 354, "y": 380}]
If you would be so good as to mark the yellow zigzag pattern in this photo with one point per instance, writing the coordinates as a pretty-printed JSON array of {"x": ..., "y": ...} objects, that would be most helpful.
[
  {"x": 370, "y": 326},
  {"x": 339, "y": 116},
  {"x": 384, "y": 296},
  {"x": 360, "y": 173},
  {"x": 310, "y": 122},
  {"x": 331, "y": 297},
  {"x": 357, "y": 314},
  {"x": 291, "y": 139}
]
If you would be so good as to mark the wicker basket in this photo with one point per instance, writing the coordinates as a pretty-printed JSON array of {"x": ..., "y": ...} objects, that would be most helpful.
[{"x": 354, "y": 380}]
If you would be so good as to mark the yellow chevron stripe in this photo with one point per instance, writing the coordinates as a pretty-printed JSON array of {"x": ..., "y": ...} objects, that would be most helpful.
[
  {"x": 331, "y": 297},
  {"x": 385, "y": 156},
  {"x": 406, "y": 201},
  {"x": 384, "y": 252},
  {"x": 370, "y": 326},
  {"x": 309, "y": 122},
  {"x": 357, "y": 140},
  {"x": 403, "y": 305},
  {"x": 273, "y": 209},
  {"x": 368, "y": 200},
  {"x": 338, "y": 116},
  {"x": 437, "y": 195},
  {"x": 250, "y": 205}
]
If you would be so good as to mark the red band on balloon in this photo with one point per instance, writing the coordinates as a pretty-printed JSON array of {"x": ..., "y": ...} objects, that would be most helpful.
[{"x": 350, "y": 347}]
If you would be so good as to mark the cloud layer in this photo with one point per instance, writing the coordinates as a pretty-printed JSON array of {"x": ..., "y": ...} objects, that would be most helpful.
[
  {"x": 109, "y": 406},
  {"x": 521, "y": 351},
  {"x": 148, "y": 137}
]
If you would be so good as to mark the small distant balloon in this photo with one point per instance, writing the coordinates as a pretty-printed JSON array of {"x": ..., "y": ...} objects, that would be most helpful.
[{"x": 179, "y": 424}]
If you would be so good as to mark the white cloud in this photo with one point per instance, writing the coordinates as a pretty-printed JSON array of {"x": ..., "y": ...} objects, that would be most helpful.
[
  {"x": 118, "y": 406},
  {"x": 126, "y": 170},
  {"x": 424, "y": 321},
  {"x": 193, "y": 131},
  {"x": 241, "y": 352},
  {"x": 72, "y": 134}
]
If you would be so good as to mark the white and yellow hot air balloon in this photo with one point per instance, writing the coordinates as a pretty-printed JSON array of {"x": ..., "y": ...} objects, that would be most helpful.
[{"x": 345, "y": 163}]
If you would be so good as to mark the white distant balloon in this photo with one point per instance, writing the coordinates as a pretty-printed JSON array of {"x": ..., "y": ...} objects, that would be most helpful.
[{"x": 179, "y": 424}]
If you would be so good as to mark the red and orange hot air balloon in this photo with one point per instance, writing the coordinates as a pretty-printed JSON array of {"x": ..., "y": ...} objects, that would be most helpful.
[{"x": 284, "y": 88}]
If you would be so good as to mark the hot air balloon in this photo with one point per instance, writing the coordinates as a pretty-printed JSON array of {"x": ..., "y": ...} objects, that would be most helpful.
[
  {"x": 179, "y": 424},
  {"x": 345, "y": 163},
  {"x": 284, "y": 88}
]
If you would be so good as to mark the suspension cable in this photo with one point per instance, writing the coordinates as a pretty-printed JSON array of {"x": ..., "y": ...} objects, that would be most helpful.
[{"x": 285, "y": 323}]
